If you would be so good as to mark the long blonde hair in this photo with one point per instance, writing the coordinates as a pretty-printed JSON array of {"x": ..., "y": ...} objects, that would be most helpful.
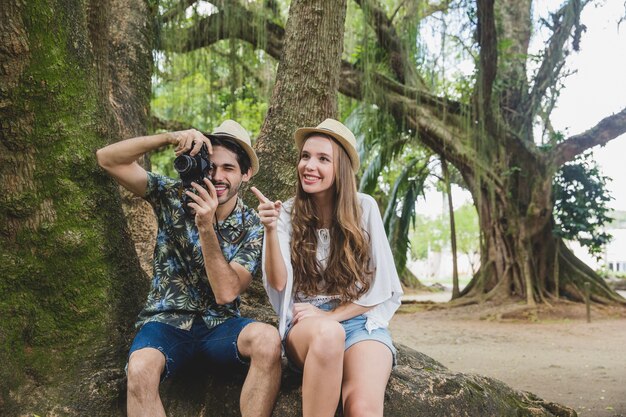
[{"x": 347, "y": 271}]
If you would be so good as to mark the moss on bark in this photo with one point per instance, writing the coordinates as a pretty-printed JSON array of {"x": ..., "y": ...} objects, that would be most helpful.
[{"x": 70, "y": 280}]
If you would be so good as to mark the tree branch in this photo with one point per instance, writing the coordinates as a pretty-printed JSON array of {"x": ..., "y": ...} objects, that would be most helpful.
[
  {"x": 179, "y": 8},
  {"x": 244, "y": 65},
  {"x": 240, "y": 24},
  {"x": 210, "y": 30},
  {"x": 157, "y": 123},
  {"x": 609, "y": 128},
  {"x": 437, "y": 121},
  {"x": 389, "y": 41},
  {"x": 564, "y": 20}
]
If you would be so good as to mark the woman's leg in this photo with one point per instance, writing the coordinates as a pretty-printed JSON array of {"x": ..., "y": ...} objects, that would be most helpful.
[
  {"x": 366, "y": 369},
  {"x": 317, "y": 346}
]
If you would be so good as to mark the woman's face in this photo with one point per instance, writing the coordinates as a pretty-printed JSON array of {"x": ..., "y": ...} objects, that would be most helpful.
[{"x": 316, "y": 169}]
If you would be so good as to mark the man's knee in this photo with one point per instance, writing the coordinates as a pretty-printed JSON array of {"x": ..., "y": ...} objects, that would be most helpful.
[
  {"x": 145, "y": 367},
  {"x": 262, "y": 342}
]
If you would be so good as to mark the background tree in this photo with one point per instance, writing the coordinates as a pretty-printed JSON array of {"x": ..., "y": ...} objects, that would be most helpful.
[
  {"x": 485, "y": 130},
  {"x": 433, "y": 234},
  {"x": 76, "y": 78}
]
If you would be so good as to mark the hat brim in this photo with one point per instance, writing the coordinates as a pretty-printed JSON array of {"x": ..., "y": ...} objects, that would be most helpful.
[
  {"x": 304, "y": 132},
  {"x": 254, "y": 160}
]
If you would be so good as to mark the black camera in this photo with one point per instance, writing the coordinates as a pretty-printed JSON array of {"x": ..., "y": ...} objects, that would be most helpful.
[{"x": 193, "y": 169}]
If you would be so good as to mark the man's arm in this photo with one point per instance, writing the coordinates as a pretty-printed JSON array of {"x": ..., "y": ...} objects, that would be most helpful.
[
  {"x": 120, "y": 159},
  {"x": 227, "y": 280}
]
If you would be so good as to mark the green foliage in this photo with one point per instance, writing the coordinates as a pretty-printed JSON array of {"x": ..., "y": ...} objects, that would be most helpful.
[
  {"x": 400, "y": 212},
  {"x": 201, "y": 88},
  {"x": 393, "y": 171},
  {"x": 434, "y": 234},
  {"x": 580, "y": 203}
]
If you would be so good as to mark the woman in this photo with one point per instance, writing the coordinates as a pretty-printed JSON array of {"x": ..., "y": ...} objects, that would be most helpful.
[{"x": 330, "y": 276}]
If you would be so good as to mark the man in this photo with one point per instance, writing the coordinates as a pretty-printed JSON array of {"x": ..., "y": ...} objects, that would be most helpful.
[{"x": 208, "y": 248}]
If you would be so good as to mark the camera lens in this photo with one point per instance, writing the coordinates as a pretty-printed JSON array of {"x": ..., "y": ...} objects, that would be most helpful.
[{"x": 184, "y": 164}]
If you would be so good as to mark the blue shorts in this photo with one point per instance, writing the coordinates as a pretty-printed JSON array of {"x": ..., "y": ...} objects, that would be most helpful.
[
  {"x": 215, "y": 347},
  {"x": 356, "y": 332}
]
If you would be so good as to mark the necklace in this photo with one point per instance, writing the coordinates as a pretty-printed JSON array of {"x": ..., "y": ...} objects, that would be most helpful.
[{"x": 324, "y": 236}]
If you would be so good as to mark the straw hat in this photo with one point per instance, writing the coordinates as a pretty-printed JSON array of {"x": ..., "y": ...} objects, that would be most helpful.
[
  {"x": 335, "y": 129},
  {"x": 233, "y": 130}
]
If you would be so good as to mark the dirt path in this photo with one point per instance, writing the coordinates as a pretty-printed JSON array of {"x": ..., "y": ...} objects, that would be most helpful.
[{"x": 555, "y": 354}]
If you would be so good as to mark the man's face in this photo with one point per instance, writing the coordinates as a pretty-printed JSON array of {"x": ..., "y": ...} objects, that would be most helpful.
[{"x": 227, "y": 176}]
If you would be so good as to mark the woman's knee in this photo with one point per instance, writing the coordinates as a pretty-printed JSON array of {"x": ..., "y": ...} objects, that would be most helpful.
[
  {"x": 328, "y": 338},
  {"x": 362, "y": 406}
]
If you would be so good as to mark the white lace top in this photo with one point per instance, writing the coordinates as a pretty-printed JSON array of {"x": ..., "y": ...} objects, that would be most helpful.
[{"x": 384, "y": 293}]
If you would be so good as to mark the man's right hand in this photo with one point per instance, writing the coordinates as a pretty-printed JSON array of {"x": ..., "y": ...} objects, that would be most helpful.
[
  {"x": 268, "y": 210},
  {"x": 191, "y": 139},
  {"x": 119, "y": 159}
]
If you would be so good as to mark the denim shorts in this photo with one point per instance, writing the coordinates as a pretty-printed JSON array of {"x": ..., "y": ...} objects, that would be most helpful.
[
  {"x": 215, "y": 347},
  {"x": 355, "y": 332}
]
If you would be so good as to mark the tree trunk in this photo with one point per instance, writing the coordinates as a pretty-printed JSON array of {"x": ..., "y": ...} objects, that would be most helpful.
[
  {"x": 305, "y": 91},
  {"x": 518, "y": 255},
  {"x": 419, "y": 386},
  {"x": 125, "y": 84},
  {"x": 71, "y": 282},
  {"x": 456, "y": 293}
]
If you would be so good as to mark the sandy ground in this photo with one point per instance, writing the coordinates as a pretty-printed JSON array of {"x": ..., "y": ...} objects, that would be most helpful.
[{"x": 554, "y": 353}]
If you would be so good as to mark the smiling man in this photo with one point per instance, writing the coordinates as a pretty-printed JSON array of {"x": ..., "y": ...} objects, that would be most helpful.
[{"x": 208, "y": 249}]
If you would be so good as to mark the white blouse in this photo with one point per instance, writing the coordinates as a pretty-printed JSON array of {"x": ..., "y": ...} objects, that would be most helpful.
[{"x": 385, "y": 290}]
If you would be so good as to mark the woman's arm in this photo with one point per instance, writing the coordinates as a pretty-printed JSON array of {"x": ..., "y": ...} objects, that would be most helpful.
[
  {"x": 274, "y": 263},
  {"x": 343, "y": 312}
]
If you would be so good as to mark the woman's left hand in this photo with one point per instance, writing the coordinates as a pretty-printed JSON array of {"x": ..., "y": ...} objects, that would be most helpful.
[{"x": 305, "y": 310}]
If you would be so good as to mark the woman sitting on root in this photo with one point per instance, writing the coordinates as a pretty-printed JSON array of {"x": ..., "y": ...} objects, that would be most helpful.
[{"x": 330, "y": 276}]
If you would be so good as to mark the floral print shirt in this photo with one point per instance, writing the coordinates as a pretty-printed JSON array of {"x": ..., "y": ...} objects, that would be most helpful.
[{"x": 180, "y": 289}]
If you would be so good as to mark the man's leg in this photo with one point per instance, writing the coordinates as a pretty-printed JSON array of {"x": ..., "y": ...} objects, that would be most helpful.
[
  {"x": 157, "y": 351},
  {"x": 145, "y": 367},
  {"x": 260, "y": 343}
]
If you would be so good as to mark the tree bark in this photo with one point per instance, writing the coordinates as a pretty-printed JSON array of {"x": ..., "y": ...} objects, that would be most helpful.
[
  {"x": 71, "y": 281},
  {"x": 305, "y": 91},
  {"x": 127, "y": 87}
]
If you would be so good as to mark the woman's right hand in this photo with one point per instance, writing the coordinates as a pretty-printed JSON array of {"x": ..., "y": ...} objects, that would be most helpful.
[{"x": 268, "y": 210}]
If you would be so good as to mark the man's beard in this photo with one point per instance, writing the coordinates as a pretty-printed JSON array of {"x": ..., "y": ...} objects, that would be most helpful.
[{"x": 230, "y": 192}]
